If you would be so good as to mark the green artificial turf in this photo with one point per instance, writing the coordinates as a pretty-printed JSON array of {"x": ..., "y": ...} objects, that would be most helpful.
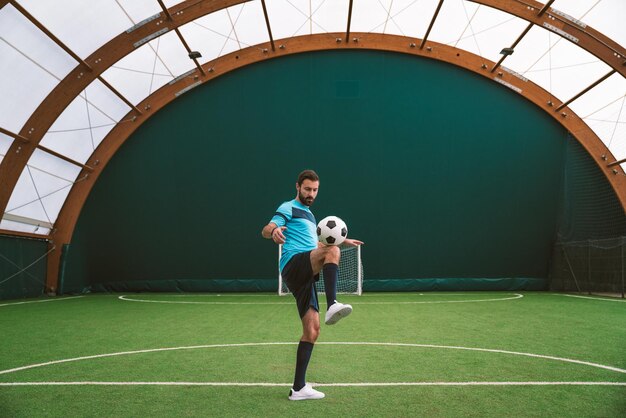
[{"x": 405, "y": 338}]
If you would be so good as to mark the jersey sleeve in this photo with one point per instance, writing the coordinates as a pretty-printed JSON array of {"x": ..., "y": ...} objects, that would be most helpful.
[{"x": 282, "y": 215}]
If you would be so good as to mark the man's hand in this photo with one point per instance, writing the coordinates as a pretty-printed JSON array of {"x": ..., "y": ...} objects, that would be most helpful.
[
  {"x": 277, "y": 235},
  {"x": 352, "y": 242}
]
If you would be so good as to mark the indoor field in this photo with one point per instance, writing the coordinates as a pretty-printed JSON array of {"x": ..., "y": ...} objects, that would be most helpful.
[
  {"x": 399, "y": 354},
  {"x": 379, "y": 207}
]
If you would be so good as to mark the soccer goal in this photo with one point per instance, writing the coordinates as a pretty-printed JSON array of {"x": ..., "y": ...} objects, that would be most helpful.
[{"x": 350, "y": 273}]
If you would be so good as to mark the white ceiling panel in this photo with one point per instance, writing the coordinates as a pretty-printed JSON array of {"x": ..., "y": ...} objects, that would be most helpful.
[
  {"x": 453, "y": 21},
  {"x": 380, "y": 16},
  {"x": 32, "y": 64},
  {"x": 83, "y": 29},
  {"x": 170, "y": 3},
  {"x": 5, "y": 143},
  {"x": 226, "y": 31},
  {"x": 42, "y": 187},
  {"x": 555, "y": 64},
  {"x": 490, "y": 30},
  {"x": 564, "y": 69},
  {"x": 16, "y": 107},
  {"x": 603, "y": 108},
  {"x": 213, "y": 35},
  {"x": 25, "y": 62},
  {"x": 25, "y": 37},
  {"x": 25, "y": 200},
  {"x": 173, "y": 57},
  {"x": 85, "y": 122},
  {"x": 607, "y": 16},
  {"x": 303, "y": 17},
  {"x": 287, "y": 18},
  {"x": 62, "y": 171},
  {"x": 109, "y": 106},
  {"x": 249, "y": 23},
  {"x": 154, "y": 64},
  {"x": 23, "y": 227},
  {"x": 330, "y": 16},
  {"x": 405, "y": 18},
  {"x": 138, "y": 10}
]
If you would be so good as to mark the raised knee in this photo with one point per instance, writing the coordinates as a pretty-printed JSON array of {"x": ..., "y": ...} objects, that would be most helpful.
[{"x": 333, "y": 253}]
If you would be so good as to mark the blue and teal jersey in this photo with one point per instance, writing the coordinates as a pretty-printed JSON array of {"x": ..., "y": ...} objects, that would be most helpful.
[{"x": 301, "y": 234}]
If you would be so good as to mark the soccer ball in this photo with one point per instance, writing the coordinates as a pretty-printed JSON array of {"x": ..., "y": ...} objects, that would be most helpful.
[{"x": 332, "y": 230}]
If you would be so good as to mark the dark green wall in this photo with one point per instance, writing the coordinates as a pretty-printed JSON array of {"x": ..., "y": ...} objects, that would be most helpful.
[
  {"x": 15, "y": 255},
  {"x": 442, "y": 173}
]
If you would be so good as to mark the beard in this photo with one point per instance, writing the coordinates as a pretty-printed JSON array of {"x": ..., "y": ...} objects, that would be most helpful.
[{"x": 308, "y": 201}]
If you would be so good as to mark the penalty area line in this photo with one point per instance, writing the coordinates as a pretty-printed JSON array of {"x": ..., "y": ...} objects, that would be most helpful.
[
  {"x": 355, "y": 384},
  {"x": 590, "y": 297},
  {"x": 40, "y": 301},
  {"x": 128, "y": 299}
]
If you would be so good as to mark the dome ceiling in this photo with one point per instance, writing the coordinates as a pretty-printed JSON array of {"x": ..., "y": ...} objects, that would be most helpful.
[{"x": 72, "y": 74}]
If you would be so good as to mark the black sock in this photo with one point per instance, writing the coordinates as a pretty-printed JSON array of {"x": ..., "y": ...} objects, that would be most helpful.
[
  {"x": 305, "y": 349},
  {"x": 331, "y": 273}
]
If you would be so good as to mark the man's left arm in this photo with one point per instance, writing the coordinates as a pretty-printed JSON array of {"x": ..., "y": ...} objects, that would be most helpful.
[{"x": 348, "y": 242}]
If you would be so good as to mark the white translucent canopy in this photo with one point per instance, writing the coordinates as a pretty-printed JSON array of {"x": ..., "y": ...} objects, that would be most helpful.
[{"x": 32, "y": 65}]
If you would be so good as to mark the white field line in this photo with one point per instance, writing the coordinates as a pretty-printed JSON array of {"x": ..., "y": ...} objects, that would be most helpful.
[
  {"x": 130, "y": 299},
  {"x": 39, "y": 301},
  {"x": 222, "y": 295},
  {"x": 375, "y": 294},
  {"x": 589, "y": 297},
  {"x": 516, "y": 296},
  {"x": 383, "y": 294},
  {"x": 356, "y": 384},
  {"x": 154, "y": 350}
]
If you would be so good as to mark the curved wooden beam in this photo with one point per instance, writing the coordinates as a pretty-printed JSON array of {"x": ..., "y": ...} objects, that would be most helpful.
[
  {"x": 77, "y": 80},
  {"x": 70, "y": 212},
  {"x": 581, "y": 35}
]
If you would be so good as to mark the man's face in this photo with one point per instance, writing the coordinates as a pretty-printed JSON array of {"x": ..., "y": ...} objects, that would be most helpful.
[{"x": 307, "y": 191}]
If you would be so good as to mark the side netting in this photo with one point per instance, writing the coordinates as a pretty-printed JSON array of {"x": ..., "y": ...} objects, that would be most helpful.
[
  {"x": 350, "y": 273},
  {"x": 588, "y": 255},
  {"x": 22, "y": 267},
  {"x": 592, "y": 266}
]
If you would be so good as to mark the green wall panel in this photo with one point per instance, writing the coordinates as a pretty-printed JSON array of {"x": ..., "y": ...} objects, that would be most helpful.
[
  {"x": 441, "y": 172},
  {"x": 17, "y": 281}
]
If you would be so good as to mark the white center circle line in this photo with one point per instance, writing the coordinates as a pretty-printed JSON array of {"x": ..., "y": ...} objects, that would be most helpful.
[
  {"x": 289, "y": 302},
  {"x": 356, "y": 343}
]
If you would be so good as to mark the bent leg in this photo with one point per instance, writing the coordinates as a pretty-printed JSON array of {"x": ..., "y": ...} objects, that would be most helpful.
[
  {"x": 327, "y": 260},
  {"x": 324, "y": 255}
]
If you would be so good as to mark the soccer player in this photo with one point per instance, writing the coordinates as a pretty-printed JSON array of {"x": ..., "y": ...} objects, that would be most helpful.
[{"x": 302, "y": 259}]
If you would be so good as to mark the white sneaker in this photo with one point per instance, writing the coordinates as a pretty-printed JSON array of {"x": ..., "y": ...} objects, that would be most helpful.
[
  {"x": 307, "y": 392},
  {"x": 337, "y": 311}
]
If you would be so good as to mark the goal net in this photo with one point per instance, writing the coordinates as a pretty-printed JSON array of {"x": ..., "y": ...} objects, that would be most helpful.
[{"x": 350, "y": 273}]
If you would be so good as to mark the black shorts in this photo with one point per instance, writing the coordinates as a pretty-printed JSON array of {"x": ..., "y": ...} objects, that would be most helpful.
[{"x": 299, "y": 278}]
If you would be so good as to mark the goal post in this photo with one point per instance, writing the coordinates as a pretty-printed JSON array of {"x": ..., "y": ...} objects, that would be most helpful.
[{"x": 350, "y": 279}]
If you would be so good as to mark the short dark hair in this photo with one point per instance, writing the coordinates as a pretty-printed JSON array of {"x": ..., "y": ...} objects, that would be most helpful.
[{"x": 307, "y": 175}]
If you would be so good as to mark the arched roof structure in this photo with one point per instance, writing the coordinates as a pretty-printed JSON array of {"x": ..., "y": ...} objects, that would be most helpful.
[{"x": 77, "y": 81}]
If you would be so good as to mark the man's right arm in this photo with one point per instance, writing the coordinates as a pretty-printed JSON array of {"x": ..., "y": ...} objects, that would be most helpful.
[
  {"x": 268, "y": 229},
  {"x": 274, "y": 232},
  {"x": 274, "y": 229}
]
